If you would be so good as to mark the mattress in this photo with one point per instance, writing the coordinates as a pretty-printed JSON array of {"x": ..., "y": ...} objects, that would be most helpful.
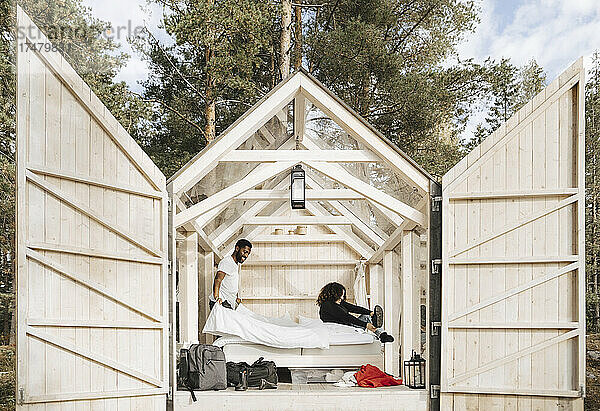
[{"x": 348, "y": 355}]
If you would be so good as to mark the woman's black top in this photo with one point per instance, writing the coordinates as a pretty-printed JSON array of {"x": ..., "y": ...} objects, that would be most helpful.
[{"x": 331, "y": 312}]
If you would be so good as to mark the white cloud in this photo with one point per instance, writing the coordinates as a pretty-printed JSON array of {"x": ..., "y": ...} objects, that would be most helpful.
[
  {"x": 553, "y": 32},
  {"x": 125, "y": 16}
]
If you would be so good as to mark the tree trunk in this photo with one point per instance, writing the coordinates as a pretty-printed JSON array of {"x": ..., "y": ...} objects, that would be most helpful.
[
  {"x": 210, "y": 112},
  {"x": 298, "y": 37},
  {"x": 286, "y": 38}
]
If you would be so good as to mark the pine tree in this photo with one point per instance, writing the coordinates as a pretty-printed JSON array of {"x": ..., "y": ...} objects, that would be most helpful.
[{"x": 592, "y": 182}]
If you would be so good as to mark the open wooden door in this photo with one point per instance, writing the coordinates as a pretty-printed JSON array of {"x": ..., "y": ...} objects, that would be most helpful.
[
  {"x": 513, "y": 305},
  {"x": 92, "y": 247}
]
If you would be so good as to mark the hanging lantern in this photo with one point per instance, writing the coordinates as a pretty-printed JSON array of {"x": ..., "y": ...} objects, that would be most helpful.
[
  {"x": 298, "y": 196},
  {"x": 414, "y": 371}
]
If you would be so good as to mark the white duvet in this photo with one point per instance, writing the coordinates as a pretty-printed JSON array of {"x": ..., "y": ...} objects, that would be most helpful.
[{"x": 281, "y": 332}]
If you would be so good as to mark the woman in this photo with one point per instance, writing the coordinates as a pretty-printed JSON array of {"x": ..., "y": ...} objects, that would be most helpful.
[{"x": 335, "y": 309}]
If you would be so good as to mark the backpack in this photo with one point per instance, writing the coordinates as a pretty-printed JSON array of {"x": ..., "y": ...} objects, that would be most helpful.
[
  {"x": 202, "y": 367},
  {"x": 259, "y": 370}
]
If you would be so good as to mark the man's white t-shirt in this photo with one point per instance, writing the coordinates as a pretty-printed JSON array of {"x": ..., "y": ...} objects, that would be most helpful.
[{"x": 230, "y": 284}]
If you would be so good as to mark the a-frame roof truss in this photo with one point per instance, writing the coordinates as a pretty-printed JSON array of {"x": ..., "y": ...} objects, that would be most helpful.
[{"x": 299, "y": 88}]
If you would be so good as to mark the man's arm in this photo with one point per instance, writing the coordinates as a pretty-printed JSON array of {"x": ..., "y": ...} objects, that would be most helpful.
[{"x": 217, "y": 285}]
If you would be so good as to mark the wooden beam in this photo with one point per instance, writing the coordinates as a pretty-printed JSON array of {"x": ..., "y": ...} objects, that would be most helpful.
[
  {"x": 236, "y": 134},
  {"x": 390, "y": 350},
  {"x": 411, "y": 297},
  {"x": 100, "y": 395},
  {"x": 66, "y": 345},
  {"x": 311, "y": 194},
  {"x": 65, "y": 198},
  {"x": 333, "y": 156},
  {"x": 370, "y": 192},
  {"x": 353, "y": 241},
  {"x": 298, "y": 220},
  {"x": 188, "y": 288},
  {"x": 299, "y": 117},
  {"x": 515, "y": 325},
  {"x": 373, "y": 233},
  {"x": 262, "y": 263},
  {"x": 392, "y": 216},
  {"x": 94, "y": 182},
  {"x": 99, "y": 288},
  {"x": 44, "y": 322},
  {"x": 88, "y": 252},
  {"x": 490, "y": 195},
  {"x": 203, "y": 240},
  {"x": 225, "y": 231},
  {"x": 389, "y": 244},
  {"x": 514, "y": 260},
  {"x": 269, "y": 170},
  {"x": 509, "y": 358},
  {"x": 296, "y": 238},
  {"x": 514, "y": 291}
]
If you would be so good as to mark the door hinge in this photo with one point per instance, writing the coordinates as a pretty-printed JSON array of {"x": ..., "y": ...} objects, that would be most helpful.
[
  {"x": 582, "y": 391},
  {"x": 21, "y": 396},
  {"x": 436, "y": 266},
  {"x": 170, "y": 204},
  {"x": 435, "y": 328},
  {"x": 434, "y": 390},
  {"x": 170, "y": 394},
  {"x": 436, "y": 203}
]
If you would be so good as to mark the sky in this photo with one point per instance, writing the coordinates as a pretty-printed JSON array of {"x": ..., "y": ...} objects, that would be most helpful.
[{"x": 553, "y": 32}]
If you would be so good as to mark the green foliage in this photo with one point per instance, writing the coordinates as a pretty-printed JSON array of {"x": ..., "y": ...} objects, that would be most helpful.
[
  {"x": 507, "y": 89},
  {"x": 384, "y": 58},
  {"x": 592, "y": 182},
  {"x": 222, "y": 54},
  {"x": 78, "y": 36}
]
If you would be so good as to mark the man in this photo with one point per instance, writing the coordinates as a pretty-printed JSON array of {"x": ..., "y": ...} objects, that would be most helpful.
[{"x": 226, "y": 283}]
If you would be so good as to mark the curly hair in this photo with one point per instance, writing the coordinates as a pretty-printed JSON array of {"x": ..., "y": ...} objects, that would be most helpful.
[{"x": 331, "y": 292}]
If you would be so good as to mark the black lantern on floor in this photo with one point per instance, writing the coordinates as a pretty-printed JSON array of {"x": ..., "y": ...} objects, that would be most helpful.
[
  {"x": 298, "y": 194},
  {"x": 414, "y": 372}
]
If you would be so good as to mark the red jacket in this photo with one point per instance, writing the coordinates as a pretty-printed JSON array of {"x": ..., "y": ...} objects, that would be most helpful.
[{"x": 371, "y": 376}]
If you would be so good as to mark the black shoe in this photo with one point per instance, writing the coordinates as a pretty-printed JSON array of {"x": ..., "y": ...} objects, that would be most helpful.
[
  {"x": 377, "y": 318},
  {"x": 385, "y": 338},
  {"x": 243, "y": 385},
  {"x": 266, "y": 384}
]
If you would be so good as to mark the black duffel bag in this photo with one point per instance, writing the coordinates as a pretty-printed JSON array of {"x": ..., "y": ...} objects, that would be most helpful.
[
  {"x": 259, "y": 370},
  {"x": 202, "y": 367}
]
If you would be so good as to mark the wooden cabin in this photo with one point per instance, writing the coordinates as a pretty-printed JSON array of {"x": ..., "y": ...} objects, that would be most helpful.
[{"x": 483, "y": 275}]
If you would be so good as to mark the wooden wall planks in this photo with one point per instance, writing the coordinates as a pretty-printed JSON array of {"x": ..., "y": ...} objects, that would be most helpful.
[{"x": 535, "y": 151}]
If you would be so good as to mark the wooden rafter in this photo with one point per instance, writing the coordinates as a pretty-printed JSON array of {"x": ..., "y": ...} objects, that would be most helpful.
[
  {"x": 235, "y": 135},
  {"x": 370, "y": 192},
  {"x": 257, "y": 176},
  {"x": 271, "y": 156},
  {"x": 377, "y": 236},
  {"x": 203, "y": 239},
  {"x": 311, "y": 194},
  {"x": 390, "y": 215}
]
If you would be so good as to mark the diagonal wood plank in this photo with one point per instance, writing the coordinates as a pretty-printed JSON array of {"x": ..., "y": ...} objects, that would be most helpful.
[
  {"x": 515, "y": 290},
  {"x": 372, "y": 193},
  {"x": 513, "y": 226},
  {"x": 266, "y": 172},
  {"x": 87, "y": 283},
  {"x": 64, "y": 197},
  {"x": 512, "y": 357},
  {"x": 68, "y": 346}
]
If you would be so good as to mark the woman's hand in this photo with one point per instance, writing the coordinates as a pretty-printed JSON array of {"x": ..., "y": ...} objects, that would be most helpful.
[{"x": 370, "y": 327}]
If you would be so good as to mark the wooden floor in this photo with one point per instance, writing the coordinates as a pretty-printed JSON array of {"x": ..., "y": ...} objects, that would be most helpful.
[{"x": 306, "y": 397}]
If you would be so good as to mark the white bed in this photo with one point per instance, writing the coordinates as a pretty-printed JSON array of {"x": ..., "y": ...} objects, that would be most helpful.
[{"x": 337, "y": 356}]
